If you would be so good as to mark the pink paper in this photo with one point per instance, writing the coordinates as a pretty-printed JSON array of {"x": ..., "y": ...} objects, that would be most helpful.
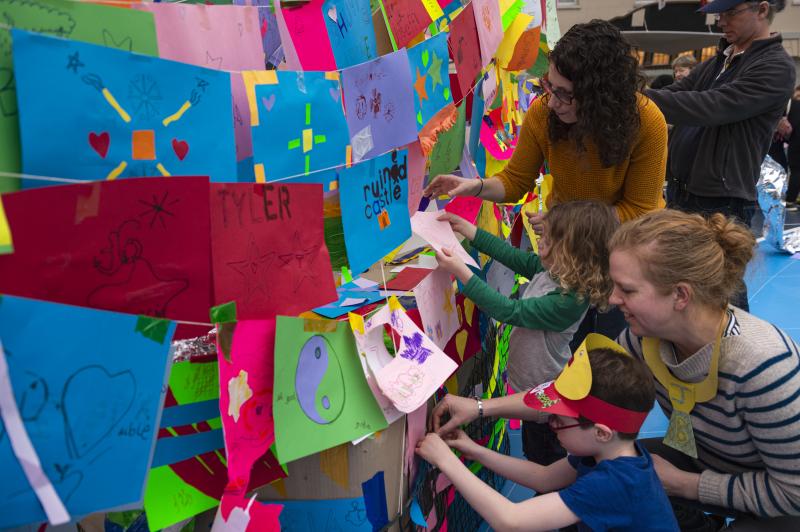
[
  {"x": 468, "y": 207},
  {"x": 310, "y": 36},
  {"x": 415, "y": 431},
  {"x": 245, "y": 399},
  {"x": 289, "y": 50},
  {"x": 416, "y": 176},
  {"x": 238, "y": 514},
  {"x": 439, "y": 234},
  {"x": 223, "y": 37},
  {"x": 436, "y": 301},
  {"x": 419, "y": 367},
  {"x": 494, "y": 149},
  {"x": 490, "y": 28}
]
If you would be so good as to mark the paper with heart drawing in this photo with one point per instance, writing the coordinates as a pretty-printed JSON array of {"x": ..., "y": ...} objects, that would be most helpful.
[
  {"x": 298, "y": 125},
  {"x": 119, "y": 114},
  {"x": 439, "y": 235},
  {"x": 419, "y": 367},
  {"x": 429, "y": 73},
  {"x": 91, "y": 411},
  {"x": 350, "y": 30},
  {"x": 219, "y": 37},
  {"x": 269, "y": 253},
  {"x": 79, "y": 21},
  {"x": 436, "y": 301}
]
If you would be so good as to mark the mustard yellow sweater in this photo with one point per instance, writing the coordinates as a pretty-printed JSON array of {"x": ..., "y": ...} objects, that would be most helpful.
[{"x": 633, "y": 187}]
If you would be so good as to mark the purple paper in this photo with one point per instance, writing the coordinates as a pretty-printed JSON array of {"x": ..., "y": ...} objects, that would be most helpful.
[{"x": 379, "y": 105}]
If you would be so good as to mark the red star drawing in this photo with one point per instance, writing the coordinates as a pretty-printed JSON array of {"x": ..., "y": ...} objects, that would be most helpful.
[
  {"x": 253, "y": 269},
  {"x": 300, "y": 260}
]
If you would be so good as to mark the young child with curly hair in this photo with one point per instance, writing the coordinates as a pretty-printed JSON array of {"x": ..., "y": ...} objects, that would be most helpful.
[{"x": 569, "y": 275}]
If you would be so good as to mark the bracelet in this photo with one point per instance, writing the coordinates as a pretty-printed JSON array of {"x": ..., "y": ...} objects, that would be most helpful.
[
  {"x": 480, "y": 190},
  {"x": 480, "y": 406}
]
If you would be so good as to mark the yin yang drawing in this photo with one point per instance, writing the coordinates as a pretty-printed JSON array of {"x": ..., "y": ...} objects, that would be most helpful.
[{"x": 319, "y": 381}]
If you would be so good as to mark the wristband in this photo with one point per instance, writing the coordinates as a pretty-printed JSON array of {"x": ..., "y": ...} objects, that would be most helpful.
[
  {"x": 480, "y": 189},
  {"x": 480, "y": 407}
]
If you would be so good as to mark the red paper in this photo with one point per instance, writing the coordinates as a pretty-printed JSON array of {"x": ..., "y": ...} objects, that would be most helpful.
[
  {"x": 269, "y": 252},
  {"x": 138, "y": 246},
  {"x": 467, "y": 207},
  {"x": 407, "y": 19},
  {"x": 408, "y": 278},
  {"x": 465, "y": 49}
]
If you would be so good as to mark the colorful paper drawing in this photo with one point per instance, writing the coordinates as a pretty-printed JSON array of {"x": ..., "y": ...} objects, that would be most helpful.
[
  {"x": 329, "y": 515},
  {"x": 408, "y": 278},
  {"x": 267, "y": 24},
  {"x": 79, "y": 21},
  {"x": 91, "y": 412},
  {"x": 217, "y": 37},
  {"x": 436, "y": 301},
  {"x": 320, "y": 398},
  {"x": 489, "y": 26},
  {"x": 119, "y": 114},
  {"x": 416, "y": 176},
  {"x": 405, "y": 20},
  {"x": 374, "y": 198},
  {"x": 429, "y": 71},
  {"x": 439, "y": 234},
  {"x": 495, "y": 138},
  {"x": 240, "y": 513},
  {"x": 418, "y": 367},
  {"x": 138, "y": 246},
  {"x": 378, "y": 97},
  {"x": 297, "y": 122},
  {"x": 466, "y": 342},
  {"x": 465, "y": 49},
  {"x": 287, "y": 46},
  {"x": 446, "y": 154},
  {"x": 357, "y": 298},
  {"x": 467, "y": 207},
  {"x": 269, "y": 253},
  {"x": 309, "y": 35},
  {"x": 350, "y": 30}
]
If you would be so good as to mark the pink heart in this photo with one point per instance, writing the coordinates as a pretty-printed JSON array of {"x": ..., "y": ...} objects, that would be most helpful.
[
  {"x": 334, "y": 94},
  {"x": 268, "y": 102}
]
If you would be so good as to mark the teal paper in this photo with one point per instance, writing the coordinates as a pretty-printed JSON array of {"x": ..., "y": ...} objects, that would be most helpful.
[
  {"x": 374, "y": 198},
  {"x": 350, "y": 30},
  {"x": 429, "y": 77},
  {"x": 330, "y": 515},
  {"x": 118, "y": 114},
  {"x": 89, "y": 389}
]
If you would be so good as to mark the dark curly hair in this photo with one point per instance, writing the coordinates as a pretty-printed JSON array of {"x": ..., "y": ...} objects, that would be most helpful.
[{"x": 605, "y": 77}]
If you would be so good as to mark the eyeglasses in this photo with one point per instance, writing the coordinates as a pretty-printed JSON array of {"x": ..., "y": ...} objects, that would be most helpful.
[
  {"x": 729, "y": 14},
  {"x": 563, "y": 96},
  {"x": 556, "y": 426}
]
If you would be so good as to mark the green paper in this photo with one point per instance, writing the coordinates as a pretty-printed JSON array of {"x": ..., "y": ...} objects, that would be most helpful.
[
  {"x": 330, "y": 403},
  {"x": 509, "y": 16},
  {"x": 539, "y": 68},
  {"x": 125, "y": 29},
  {"x": 169, "y": 500},
  {"x": 154, "y": 328},
  {"x": 193, "y": 382},
  {"x": 225, "y": 313},
  {"x": 446, "y": 155}
]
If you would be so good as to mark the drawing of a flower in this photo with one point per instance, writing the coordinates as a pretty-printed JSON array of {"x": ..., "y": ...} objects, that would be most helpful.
[{"x": 414, "y": 349}]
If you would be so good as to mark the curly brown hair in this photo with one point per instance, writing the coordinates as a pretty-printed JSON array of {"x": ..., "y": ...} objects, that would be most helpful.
[
  {"x": 605, "y": 77},
  {"x": 579, "y": 232}
]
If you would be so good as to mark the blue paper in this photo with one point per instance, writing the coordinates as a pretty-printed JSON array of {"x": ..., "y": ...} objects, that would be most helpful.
[
  {"x": 179, "y": 415},
  {"x": 300, "y": 125},
  {"x": 328, "y": 515},
  {"x": 350, "y": 31},
  {"x": 374, "y": 491},
  {"x": 89, "y": 389},
  {"x": 173, "y": 450},
  {"x": 429, "y": 76},
  {"x": 349, "y": 290},
  {"x": 89, "y": 112},
  {"x": 374, "y": 199},
  {"x": 416, "y": 514}
]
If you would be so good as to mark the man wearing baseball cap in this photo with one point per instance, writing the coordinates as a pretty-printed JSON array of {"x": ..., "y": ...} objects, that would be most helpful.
[
  {"x": 725, "y": 113},
  {"x": 596, "y": 406}
]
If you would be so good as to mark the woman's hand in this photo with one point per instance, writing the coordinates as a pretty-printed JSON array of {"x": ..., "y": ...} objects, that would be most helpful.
[
  {"x": 461, "y": 411},
  {"x": 452, "y": 185},
  {"x": 462, "y": 443},
  {"x": 677, "y": 482},
  {"x": 433, "y": 449},
  {"x": 459, "y": 225}
]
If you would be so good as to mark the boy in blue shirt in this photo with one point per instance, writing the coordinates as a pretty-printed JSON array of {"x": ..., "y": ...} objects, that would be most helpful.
[{"x": 596, "y": 406}]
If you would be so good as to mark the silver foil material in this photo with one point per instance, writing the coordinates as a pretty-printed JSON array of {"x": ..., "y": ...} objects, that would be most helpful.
[
  {"x": 771, "y": 188},
  {"x": 189, "y": 348}
]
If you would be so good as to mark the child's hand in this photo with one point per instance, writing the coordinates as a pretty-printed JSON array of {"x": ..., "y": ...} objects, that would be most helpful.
[
  {"x": 459, "y": 225},
  {"x": 536, "y": 219},
  {"x": 453, "y": 264},
  {"x": 462, "y": 443},
  {"x": 433, "y": 449}
]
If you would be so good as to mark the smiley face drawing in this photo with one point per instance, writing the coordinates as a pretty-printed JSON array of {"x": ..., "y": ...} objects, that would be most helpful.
[{"x": 319, "y": 382}]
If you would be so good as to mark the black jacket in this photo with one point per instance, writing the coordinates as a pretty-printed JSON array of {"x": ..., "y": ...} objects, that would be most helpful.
[{"x": 724, "y": 125}]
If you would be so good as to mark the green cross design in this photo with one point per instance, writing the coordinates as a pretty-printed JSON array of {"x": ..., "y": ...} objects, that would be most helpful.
[{"x": 307, "y": 140}]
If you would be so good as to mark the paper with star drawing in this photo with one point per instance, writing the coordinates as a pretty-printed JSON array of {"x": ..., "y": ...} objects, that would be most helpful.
[
  {"x": 119, "y": 114},
  {"x": 429, "y": 63},
  {"x": 297, "y": 121},
  {"x": 268, "y": 249},
  {"x": 79, "y": 21},
  {"x": 137, "y": 245},
  {"x": 378, "y": 97},
  {"x": 415, "y": 371},
  {"x": 219, "y": 37},
  {"x": 436, "y": 301}
]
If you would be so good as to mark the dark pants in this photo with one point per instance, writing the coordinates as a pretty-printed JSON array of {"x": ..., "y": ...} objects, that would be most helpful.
[
  {"x": 794, "y": 182},
  {"x": 741, "y": 209},
  {"x": 540, "y": 444},
  {"x": 608, "y": 324}
]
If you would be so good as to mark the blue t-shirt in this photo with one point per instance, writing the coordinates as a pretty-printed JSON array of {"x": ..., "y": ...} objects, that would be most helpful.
[{"x": 623, "y": 494}]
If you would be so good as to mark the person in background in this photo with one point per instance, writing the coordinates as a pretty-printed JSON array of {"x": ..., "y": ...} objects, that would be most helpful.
[
  {"x": 602, "y": 139},
  {"x": 786, "y": 148},
  {"x": 569, "y": 275},
  {"x": 661, "y": 81},
  {"x": 682, "y": 66}
]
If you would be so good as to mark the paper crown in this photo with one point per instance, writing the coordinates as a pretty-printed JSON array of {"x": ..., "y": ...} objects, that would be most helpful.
[{"x": 569, "y": 395}]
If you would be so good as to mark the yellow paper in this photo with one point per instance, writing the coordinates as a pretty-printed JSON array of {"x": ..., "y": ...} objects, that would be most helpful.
[
  {"x": 575, "y": 380},
  {"x": 335, "y": 463},
  {"x": 512, "y": 35},
  {"x": 6, "y": 244},
  {"x": 433, "y": 8},
  {"x": 252, "y": 78}
]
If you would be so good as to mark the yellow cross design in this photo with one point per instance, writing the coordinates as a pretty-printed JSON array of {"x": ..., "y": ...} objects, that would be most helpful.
[{"x": 308, "y": 140}]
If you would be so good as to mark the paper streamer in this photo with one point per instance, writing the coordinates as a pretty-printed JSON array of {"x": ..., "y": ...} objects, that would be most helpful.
[{"x": 374, "y": 491}]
